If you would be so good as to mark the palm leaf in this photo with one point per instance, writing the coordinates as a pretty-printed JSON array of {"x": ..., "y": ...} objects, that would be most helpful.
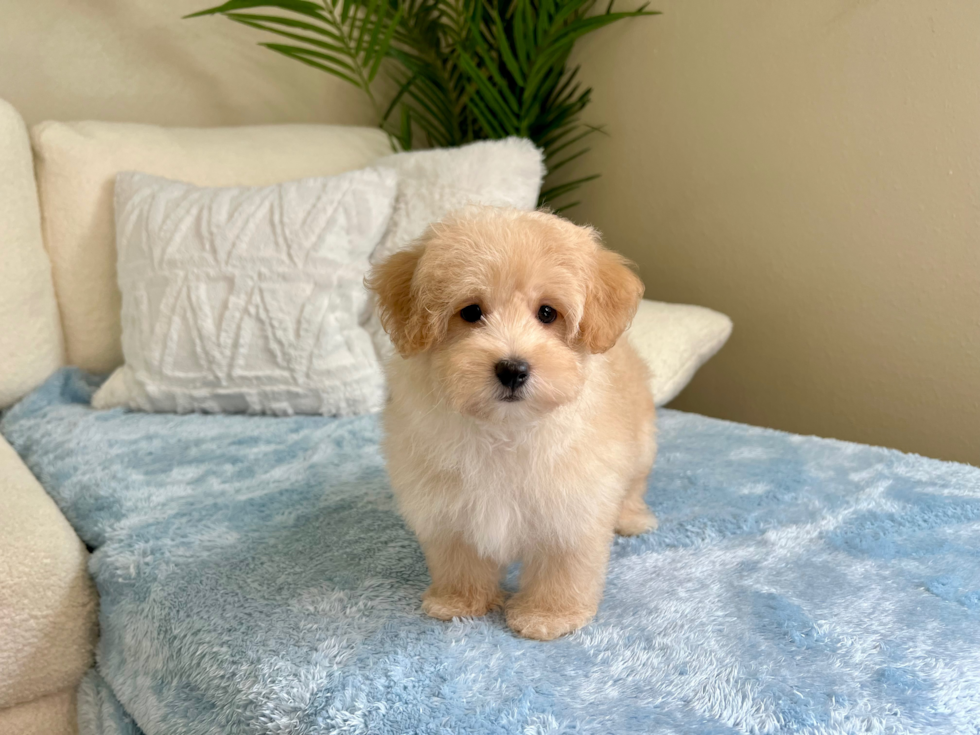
[
  {"x": 462, "y": 69},
  {"x": 552, "y": 193},
  {"x": 300, "y": 7},
  {"x": 269, "y": 23},
  {"x": 308, "y": 40},
  {"x": 302, "y": 56}
]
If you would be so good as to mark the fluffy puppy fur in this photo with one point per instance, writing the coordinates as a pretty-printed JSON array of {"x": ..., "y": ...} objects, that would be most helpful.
[{"x": 540, "y": 463}]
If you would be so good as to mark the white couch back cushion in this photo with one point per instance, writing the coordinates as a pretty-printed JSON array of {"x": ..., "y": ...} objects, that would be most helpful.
[
  {"x": 76, "y": 165},
  {"x": 30, "y": 331}
]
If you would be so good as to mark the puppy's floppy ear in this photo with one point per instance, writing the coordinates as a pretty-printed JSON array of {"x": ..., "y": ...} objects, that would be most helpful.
[
  {"x": 391, "y": 281},
  {"x": 611, "y": 300}
]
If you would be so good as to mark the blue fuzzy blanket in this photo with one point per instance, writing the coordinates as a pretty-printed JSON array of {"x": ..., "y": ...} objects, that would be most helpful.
[{"x": 255, "y": 578}]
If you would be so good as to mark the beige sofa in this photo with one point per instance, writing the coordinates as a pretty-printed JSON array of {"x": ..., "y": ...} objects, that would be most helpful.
[{"x": 48, "y": 604}]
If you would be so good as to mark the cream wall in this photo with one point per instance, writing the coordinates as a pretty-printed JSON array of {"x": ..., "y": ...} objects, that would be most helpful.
[
  {"x": 135, "y": 60},
  {"x": 813, "y": 170}
]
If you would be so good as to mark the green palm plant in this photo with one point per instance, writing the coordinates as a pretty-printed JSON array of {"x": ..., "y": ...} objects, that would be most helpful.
[{"x": 463, "y": 70}]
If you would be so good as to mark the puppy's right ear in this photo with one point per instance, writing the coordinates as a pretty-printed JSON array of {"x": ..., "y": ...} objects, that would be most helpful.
[{"x": 391, "y": 281}]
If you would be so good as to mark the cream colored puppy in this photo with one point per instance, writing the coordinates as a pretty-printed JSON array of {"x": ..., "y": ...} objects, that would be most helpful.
[{"x": 520, "y": 424}]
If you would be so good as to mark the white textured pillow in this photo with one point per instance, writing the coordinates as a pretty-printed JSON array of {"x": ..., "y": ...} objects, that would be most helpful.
[
  {"x": 248, "y": 299},
  {"x": 675, "y": 340},
  {"x": 433, "y": 183}
]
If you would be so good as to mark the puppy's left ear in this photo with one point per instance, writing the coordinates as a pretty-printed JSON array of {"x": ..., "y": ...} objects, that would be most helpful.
[{"x": 612, "y": 298}]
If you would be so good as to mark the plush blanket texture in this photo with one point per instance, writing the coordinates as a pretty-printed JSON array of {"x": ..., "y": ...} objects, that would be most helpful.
[{"x": 256, "y": 578}]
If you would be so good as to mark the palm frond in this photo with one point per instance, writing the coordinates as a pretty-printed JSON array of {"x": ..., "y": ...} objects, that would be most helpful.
[{"x": 462, "y": 70}]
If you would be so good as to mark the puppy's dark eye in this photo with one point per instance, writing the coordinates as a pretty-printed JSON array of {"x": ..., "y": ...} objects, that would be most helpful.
[
  {"x": 547, "y": 314},
  {"x": 471, "y": 313}
]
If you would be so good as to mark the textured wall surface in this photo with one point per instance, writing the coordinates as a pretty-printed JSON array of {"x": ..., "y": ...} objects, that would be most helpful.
[
  {"x": 811, "y": 169},
  {"x": 137, "y": 61}
]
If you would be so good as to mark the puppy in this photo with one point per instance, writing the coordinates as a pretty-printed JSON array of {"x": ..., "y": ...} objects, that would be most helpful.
[{"x": 520, "y": 422}]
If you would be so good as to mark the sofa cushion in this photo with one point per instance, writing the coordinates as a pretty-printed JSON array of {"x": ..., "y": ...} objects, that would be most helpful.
[
  {"x": 76, "y": 165},
  {"x": 54, "y": 714},
  {"x": 48, "y": 604},
  {"x": 30, "y": 330},
  {"x": 675, "y": 340}
]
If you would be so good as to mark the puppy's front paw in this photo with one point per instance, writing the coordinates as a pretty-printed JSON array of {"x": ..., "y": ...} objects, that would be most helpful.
[
  {"x": 449, "y": 605},
  {"x": 542, "y": 624},
  {"x": 634, "y": 521}
]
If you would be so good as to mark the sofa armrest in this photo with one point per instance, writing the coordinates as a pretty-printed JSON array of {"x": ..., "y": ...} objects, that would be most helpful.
[
  {"x": 48, "y": 603},
  {"x": 30, "y": 329}
]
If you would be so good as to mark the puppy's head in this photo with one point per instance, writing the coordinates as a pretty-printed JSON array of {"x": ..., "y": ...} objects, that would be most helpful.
[{"x": 505, "y": 307}]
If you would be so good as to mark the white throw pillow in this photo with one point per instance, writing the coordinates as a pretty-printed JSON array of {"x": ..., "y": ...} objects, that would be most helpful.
[
  {"x": 433, "y": 183},
  {"x": 248, "y": 299},
  {"x": 675, "y": 340}
]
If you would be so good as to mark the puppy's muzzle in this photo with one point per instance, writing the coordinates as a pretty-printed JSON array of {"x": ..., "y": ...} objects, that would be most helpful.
[{"x": 512, "y": 374}]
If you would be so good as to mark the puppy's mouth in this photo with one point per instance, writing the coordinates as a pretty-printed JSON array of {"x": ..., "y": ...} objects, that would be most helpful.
[{"x": 512, "y": 397}]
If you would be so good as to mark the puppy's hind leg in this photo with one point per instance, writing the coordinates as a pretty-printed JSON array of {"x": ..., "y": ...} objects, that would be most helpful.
[
  {"x": 464, "y": 584},
  {"x": 634, "y": 515}
]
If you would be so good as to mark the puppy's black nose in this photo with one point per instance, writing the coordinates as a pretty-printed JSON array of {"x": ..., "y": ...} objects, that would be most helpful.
[{"x": 512, "y": 373}]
